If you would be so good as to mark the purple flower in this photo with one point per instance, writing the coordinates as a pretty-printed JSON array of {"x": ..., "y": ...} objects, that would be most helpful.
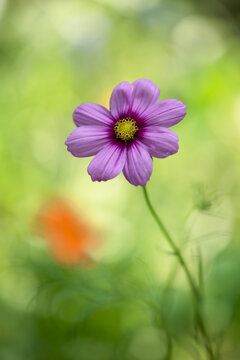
[{"x": 125, "y": 138}]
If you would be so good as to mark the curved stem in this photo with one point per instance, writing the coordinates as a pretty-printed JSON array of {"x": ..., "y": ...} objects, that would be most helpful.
[{"x": 195, "y": 291}]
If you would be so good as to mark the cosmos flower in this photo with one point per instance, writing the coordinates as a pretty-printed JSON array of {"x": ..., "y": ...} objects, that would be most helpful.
[
  {"x": 125, "y": 138},
  {"x": 68, "y": 236}
]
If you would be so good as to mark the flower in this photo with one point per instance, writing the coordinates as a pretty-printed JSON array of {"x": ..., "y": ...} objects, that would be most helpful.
[
  {"x": 126, "y": 137},
  {"x": 69, "y": 237}
]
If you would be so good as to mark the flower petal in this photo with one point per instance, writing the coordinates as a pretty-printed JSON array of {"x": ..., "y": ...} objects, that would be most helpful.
[
  {"x": 138, "y": 167},
  {"x": 108, "y": 163},
  {"x": 145, "y": 93},
  {"x": 120, "y": 100},
  {"x": 165, "y": 113},
  {"x": 92, "y": 114},
  {"x": 161, "y": 142},
  {"x": 87, "y": 140}
]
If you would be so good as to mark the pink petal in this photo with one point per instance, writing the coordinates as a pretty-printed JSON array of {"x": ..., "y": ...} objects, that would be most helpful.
[
  {"x": 108, "y": 163},
  {"x": 92, "y": 114},
  {"x": 138, "y": 167},
  {"x": 87, "y": 140},
  {"x": 145, "y": 93},
  {"x": 120, "y": 100},
  {"x": 165, "y": 113},
  {"x": 161, "y": 142}
]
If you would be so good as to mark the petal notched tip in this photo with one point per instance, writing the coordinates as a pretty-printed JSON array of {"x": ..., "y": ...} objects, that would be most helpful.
[
  {"x": 92, "y": 114},
  {"x": 108, "y": 163},
  {"x": 165, "y": 113},
  {"x": 138, "y": 167},
  {"x": 86, "y": 141},
  {"x": 161, "y": 142}
]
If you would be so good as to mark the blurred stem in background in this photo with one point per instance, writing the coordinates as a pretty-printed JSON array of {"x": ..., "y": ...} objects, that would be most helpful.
[{"x": 195, "y": 290}]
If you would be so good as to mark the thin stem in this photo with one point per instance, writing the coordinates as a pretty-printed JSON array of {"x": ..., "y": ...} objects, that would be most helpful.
[
  {"x": 200, "y": 270},
  {"x": 195, "y": 291}
]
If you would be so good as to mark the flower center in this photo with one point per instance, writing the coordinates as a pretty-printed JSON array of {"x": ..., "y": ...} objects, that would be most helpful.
[{"x": 125, "y": 129}]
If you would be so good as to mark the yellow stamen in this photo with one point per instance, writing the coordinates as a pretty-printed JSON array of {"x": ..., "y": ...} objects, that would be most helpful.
[{"x": 125, "y": 129}]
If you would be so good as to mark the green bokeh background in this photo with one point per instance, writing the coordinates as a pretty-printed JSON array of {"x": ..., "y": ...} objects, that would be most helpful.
[{"x": 134, "y": 304}]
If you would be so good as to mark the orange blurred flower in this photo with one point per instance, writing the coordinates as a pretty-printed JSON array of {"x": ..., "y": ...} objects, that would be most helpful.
[{"x": 69, "y": 237}]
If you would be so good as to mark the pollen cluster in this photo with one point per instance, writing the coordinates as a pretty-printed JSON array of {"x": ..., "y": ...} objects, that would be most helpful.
[{"x": 125, "y": 129}]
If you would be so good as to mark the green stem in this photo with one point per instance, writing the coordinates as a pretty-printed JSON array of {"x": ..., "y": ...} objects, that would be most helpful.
[{"x": 195, "y": 291}]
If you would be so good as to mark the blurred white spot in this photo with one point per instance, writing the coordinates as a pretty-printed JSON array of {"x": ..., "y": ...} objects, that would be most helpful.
[
  {"x": 2, "y": 6},
  {"x": 79, "y": 25},
  {"x": 118, "y": 242},
  {"x": 198, "y": 39},
  {"x": 236, "y": 111},
  {"x": 148, "y": 343},
  {"x": 130, "y": 5},
  {"x": 85, "y": 30},
  {"x": 105, "y": 203},
  {"x": 46, "y": 155},
  {"x": 211, "y": 230}
]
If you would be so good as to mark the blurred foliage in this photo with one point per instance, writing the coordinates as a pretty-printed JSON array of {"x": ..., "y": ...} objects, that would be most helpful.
[{"x": 133, "y": 302}]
